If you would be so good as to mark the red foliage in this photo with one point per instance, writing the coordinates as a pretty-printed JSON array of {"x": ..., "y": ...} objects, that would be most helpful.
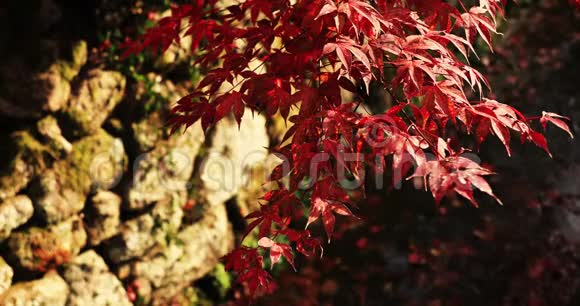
[{"x": 416, "y": 50}]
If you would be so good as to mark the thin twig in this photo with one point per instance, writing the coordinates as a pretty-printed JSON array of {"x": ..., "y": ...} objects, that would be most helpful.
[{"x": 433, "y": 147}]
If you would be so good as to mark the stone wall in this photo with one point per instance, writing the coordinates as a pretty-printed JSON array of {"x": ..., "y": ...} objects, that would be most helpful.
[{"x": 99, "y": 203}]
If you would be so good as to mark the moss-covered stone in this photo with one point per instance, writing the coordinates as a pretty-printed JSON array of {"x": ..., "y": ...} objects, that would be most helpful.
[
  {"x": 78, "y": 57},
  {"x": 51, "y": 133},
  {"x": 15, "y": 177},
  {"x": 32, "y": 150},
  {"x": 148, "y": 132},
  {"x": 53, "y": 201},
  {"x": 40, "y": 249},
  {"x": 28, "y": 157},
  {"x": 95, "y": 162}
]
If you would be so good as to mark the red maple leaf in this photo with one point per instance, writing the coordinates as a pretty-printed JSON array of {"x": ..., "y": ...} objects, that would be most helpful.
[
  {"x": 229, "y": 102},
  {"x": 555, "y": 119},
  {"x": 326, "y": 200},
  {"x": 277, "y": 251}
]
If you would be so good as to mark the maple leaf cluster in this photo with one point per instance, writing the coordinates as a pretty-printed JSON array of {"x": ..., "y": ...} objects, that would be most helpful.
[{"x": 310, "y": 51}]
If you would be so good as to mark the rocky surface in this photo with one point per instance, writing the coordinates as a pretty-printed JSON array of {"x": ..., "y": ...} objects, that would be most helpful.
[
  {"x": 155, "y": 105},
  {"x": 93, "y": 99},
  {"x": 147, "y": 231},
  {"x": 51, "y": 133},
  {"x": 39, "y": 249},
  {"x": 28, "y": 156},
  {"x": 169, "y": 269},
  {"x": 6, "y": 274},
  {"x": 51, "y": 290},
  {"x": 81, "y": 194},
  {"x": 13, "y": 213},
  {"x": 232, "y": 153},
  {"x": 95, "y": 162},
  {"x": 166, "y": 170},
  {"x": 16, "y": 175},
  {"x": 91, "y": 283},
  {"x": 103, "y": 216}
]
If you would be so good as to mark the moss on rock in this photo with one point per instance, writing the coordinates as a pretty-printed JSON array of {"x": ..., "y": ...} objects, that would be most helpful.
[
  {"x": 78, "y": 57},
  {"x": 51, "y": 133},
  {"x": 29, "y": 156},
  {"x": 95, "y": 162}
]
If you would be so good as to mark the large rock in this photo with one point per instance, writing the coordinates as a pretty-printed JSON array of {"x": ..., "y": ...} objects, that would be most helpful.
[
  {"x": 148, "y": 132},
  {"x": 15, "y": 177},
  {"x": 13, "y": 213},
  {"x": 195, "y": 251},
  {"x": 54, "y": 201},
  {"x": 148, "y": 231},
  {"x": 29, "y": 153},
  {"x": 39, "y": 249},
  {"x": 31, "y": 86},
  {"x": 233, "y": 152},
  {"x": 153, "y": 107},
  {"x": 95, "y": 162},
  {"x": 6, "y": 274},
  {"x": 28, "y": 156},
  {"x": 51, "y": 290},
  {"x": 102, "y": 216},
  {"x": 91, "y": 283},
  {"x": 166, "y": 170},
  {"x": 94, "y": 99}
]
